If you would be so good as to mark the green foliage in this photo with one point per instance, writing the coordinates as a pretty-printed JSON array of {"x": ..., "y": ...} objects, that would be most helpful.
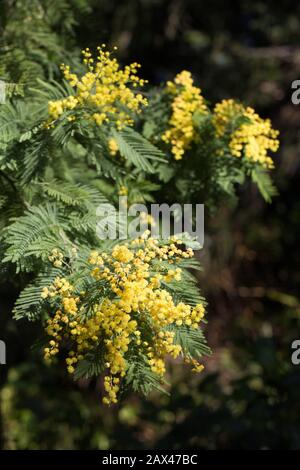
[
  {"x": 59, "y": 175},
  {"x": 264, "y": 183},
  {"x": 248, "y": 398},
  {"x": 192, "y": 342},
  {"x": 55, "y": 174},
  {"x": 141, "y": 379},
  {"x": 208, "y": 172},
  {"x": 35, "y": 37},
  {"x": 137, "y": 150},
  {"x": 32, "y": 234},
  {"x": 29, "y": 303},
  {"x": 91, "y": 366}
]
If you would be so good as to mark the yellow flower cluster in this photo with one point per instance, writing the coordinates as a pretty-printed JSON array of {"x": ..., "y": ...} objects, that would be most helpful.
[
  {"x": 123, "y": 191},
  {"x": 56, "y": 258},
  {"x": 106, "y": 92},
  {"x": 139, "y": 313},
  {"x": 187, "y": 101},
  {"x": 113, "y": 146},
  {"x": 253, "y": 138}
]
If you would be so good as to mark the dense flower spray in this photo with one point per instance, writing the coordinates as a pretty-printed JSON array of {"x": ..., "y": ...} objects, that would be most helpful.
[
  {"x": 136, "y": 316},
  {"x": 129, "y": 311},
  {"x": 249, "y": 135},
  {"x": 240, "y": 129},
  {"x": 187, "y": 100},
  {"x": 120, "y": 312},
  {"x": 106, "y": 92}
]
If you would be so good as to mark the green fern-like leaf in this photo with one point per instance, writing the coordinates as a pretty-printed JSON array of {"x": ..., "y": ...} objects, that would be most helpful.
[
  {"x": 73, "y": 194},
  {"x": 26, "y": 231},
  {"x": 137, "y": 150},
  {"x": 29, "y": 303},
  {"x": 91, "y": 366},
  {"x": 140, "y": 377},
  {"x": 264, "y": 183},
  {"x": 192, "y": 341}
]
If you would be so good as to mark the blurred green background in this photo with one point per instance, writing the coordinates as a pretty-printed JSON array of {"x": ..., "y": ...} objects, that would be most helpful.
[{"x": 248, "y": 395}]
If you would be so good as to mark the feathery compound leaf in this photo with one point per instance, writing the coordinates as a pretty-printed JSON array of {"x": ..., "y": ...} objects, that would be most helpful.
[
  {"x": 264, "y": 184},
  {"x": 29, "y": 303},
  {"x": 184, "y": 291},
  {"x": 137, "y": 150},
  {"x": 35, "y": 158},
  {"x": 10, "y": 118},
  {"x": 52, "y": 90},
  {"x": 192, "y": 341},
  {"x": 141, "y": 378},
  {"x": 189, "y": 263},
  {"x": 92, "y": 365},
  {"x": 37, "y": 223},
  {"x": 73, "y": 194}
]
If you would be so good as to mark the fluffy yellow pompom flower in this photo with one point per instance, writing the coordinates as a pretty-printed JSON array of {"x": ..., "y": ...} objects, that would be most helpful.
[
  {"x": 123, "y": 191},
  {"x": 113, "y": 146},
  {"x": 137, "y": 317},
  {"x": 56, "y": 258},
  {"x": 122, "y": 253},
  {"x": 105, "y": 93},
  {"x": 253, "y": 138},
  {"x": 187, "y": 101}
]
